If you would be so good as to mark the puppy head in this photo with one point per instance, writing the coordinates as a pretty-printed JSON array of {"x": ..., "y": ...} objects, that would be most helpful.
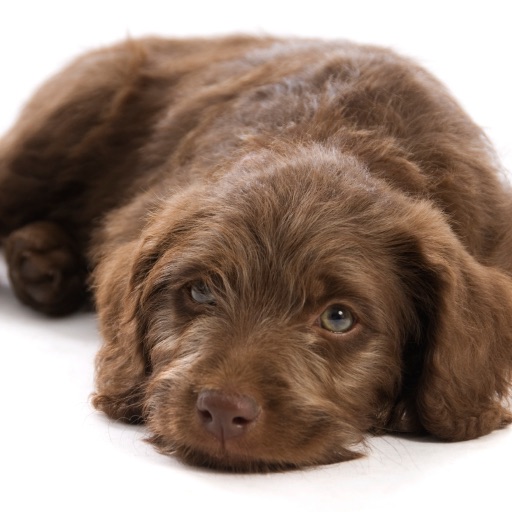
[{"x": 277, "y": 314}]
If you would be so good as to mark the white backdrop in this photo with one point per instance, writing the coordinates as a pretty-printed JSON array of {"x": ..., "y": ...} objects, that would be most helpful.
[{"x": 57, "y": 453}]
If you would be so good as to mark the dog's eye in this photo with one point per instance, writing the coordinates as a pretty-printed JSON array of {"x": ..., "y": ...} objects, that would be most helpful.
[
  {"x": 201, "y": 293},
  {"x": 337, "y": 319}
]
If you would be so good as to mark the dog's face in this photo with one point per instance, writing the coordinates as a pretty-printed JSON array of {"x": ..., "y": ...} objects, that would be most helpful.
[{"x": 274, "y": 311}]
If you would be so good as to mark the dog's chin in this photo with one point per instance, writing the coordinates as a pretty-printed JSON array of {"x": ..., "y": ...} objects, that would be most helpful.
[{"x": 224, "y": 458}]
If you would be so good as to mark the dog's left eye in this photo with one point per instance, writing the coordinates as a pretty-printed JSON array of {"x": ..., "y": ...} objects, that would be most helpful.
[
  {"x": 201, "y": 294},
  {"x": 337, "y": 319}
]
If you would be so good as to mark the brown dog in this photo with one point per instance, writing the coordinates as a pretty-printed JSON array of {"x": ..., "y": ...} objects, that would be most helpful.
[{"x": 292, "y": 243}]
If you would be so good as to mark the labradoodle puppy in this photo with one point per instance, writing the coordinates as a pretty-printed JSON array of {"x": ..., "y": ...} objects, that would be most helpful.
[{"x": 289, "y": 243}]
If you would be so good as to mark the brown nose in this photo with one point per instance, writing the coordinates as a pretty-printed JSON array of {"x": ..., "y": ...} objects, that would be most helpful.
[{"x": 226, "y": 415}]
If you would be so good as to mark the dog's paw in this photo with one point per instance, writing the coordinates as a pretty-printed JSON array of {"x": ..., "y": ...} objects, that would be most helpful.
[{"x": 45, "y": 270}]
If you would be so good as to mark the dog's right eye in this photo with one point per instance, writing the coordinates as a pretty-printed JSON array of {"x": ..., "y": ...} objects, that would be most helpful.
[
  {"x": 201, "y": 294},
  {"x": 337, "y": 319}
]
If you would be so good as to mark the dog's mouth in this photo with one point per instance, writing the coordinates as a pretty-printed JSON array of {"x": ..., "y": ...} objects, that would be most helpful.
[
  {"x": 252, "y": 444},
  {"x": 230, "y": 458},
  {"x": 227, "y": 460}
]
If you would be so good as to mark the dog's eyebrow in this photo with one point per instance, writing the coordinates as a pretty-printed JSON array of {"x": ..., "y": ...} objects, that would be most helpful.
[
  {"x": 182, "y": 271},
  {"x": 176, "y": 274}
]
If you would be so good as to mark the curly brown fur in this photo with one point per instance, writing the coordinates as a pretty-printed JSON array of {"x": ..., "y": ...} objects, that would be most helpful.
[{"x": 221, "y": 195}]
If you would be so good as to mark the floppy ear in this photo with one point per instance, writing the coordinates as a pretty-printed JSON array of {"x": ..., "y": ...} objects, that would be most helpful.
[
  {"x": 122, "y": 365},
  {"x": 121, "y": 281},
  {"x": 465, "y": 312}
]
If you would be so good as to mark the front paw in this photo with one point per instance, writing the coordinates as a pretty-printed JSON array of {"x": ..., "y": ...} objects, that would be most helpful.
[{"x": 45, "y": 270}]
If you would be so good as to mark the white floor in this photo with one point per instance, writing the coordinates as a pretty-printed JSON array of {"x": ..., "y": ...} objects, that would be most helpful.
[{"x": 57, "y": 453}]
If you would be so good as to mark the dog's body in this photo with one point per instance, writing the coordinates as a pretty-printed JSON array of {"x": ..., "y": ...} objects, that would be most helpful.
[{"x": 292, "y": 243}]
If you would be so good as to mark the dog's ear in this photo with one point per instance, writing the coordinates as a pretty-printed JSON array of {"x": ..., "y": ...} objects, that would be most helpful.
[
  {"x": 462, "y": 350},
  {"x": 122, "y": 365},
  {"x": 122, "y": 280}
]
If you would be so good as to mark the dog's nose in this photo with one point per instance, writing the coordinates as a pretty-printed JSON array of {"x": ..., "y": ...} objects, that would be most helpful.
[{"x": 226, "y": 415}]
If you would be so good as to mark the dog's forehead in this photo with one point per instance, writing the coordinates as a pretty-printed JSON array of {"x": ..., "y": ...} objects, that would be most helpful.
[
  {"x": 297, "y": 200},
  {"x": 288, "y": 226},
  {"x": 305, "y": 223}
]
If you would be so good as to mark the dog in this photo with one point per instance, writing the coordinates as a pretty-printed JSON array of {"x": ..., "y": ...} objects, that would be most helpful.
[{"x": 290, "y": 244}]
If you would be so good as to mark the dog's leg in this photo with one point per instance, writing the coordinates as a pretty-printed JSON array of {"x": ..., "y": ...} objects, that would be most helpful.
[
  {"x": 46, "y": 268},
  {"x": 65, "y": 163}
]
